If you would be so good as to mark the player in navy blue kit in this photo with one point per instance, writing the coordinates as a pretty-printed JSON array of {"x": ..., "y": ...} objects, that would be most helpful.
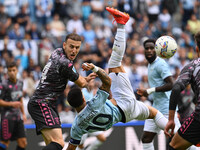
[
  {"x": 189, "y": 133},
  {"x": 42, "y": 105},
  {"x": 11, "y": 101}
]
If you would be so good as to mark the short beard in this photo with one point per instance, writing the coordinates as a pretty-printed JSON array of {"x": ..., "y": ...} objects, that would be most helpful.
[{"x": 151, "y": 59}]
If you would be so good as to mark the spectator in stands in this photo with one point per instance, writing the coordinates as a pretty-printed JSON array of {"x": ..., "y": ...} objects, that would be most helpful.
[
  {"x": 37, "y": 73},
  {"x": 164, "y": 19},
  {"x": 11, "y": 8},
  {"x": 34, "y": 32},
  {"x": 29, "y": 84},
  {"x": 23, "y": 18},
  {"x": 86, "y": 9},
  {"x": 89, "y": 35},
  {"x": 16, "y": 33},
  {"x": 193, "y": 25},
  {"x": 61, "y": 9},
  {"x": 153, "y": 10},
  {"x": 5, "y": 49},
  {"x": 74, "y": 8},
  {"x": 21, "y": 54},
  {"x": 46, "y": 32},
  {"x": 43, "y": 11},
  {"x": 187, "y": 8},
  {"x": 75, "y": 25},
  {"x": 5, "y": 22},
  {"x": 57, "y": 26}
]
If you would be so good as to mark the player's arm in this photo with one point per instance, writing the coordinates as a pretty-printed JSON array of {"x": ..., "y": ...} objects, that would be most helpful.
[
  {"x": 174, "y": 98},
  {"x": 71, "y": 147},
  {"x": 14, "y": 104},
  {"x": 167, "y": 86},
  {"x": 83, "y": 81},
  {"x": 106, "y": 80},
  {"x": 22, "y": 110}
]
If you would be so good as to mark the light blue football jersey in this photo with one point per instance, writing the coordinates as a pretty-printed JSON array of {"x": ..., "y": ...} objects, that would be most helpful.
[
  {"x": 157, "y": 72},
  {"x": 98, "y": 115}
]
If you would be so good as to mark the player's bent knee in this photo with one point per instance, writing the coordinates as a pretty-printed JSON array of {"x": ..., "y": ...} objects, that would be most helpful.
[
  {"x": 101, "y": 138},
  {"x": 152, "y": 112}
]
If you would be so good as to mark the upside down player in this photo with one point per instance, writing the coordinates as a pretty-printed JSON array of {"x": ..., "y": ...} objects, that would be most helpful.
[
  {"x": 99, "y": 113},
  {"x": 189, "y": 132},
  {"x": 42, "y": 105}
]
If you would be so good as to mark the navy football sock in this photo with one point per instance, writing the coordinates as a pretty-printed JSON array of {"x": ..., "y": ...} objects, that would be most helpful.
[
  {"x": 171, "y": 148},
  {"x": 19, "y": 148}
]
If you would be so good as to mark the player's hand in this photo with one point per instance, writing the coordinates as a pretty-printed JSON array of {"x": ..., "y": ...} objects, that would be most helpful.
[
  {"x": 24, "y": 117},
  {"x": 142, "y": 92},
  {"x": 16, "y": 104},
  {"x": 90, "y": 77},
  {"x": 87, "y": 66},
  {"x": 169, "y": 128}
]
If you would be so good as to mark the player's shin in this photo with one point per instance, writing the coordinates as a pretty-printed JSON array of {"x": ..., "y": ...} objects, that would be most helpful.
[
  {"x": 148, "y": 146},
  {"x": 160, "y": 120},
  {"x": 19, "y": 148},
  {"x": 119, "y": 47},
  {"x": 95, "y": 145}
]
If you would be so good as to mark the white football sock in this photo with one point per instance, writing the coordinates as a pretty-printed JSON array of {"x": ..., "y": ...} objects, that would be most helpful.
[
  {"x": 148, "y": 146},
  {"x": 94, "y": 145},
  {"x": 77, "y": 148},
  {"x": 160, "y": 120},
  {"x": 119, "y": 47}
]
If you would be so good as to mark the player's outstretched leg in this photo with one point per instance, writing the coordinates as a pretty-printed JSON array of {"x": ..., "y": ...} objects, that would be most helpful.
[{"x": 120, "y": 37}]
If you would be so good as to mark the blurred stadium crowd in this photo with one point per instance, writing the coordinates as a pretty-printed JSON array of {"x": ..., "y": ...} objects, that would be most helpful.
[{"x": 31, "y": 29}]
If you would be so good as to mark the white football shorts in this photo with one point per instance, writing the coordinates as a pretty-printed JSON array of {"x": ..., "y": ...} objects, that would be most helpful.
[{"x": 122, "y": 92}]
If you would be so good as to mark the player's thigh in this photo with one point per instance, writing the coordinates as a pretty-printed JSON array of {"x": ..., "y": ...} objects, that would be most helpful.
[
  {"x": 179, "y": 143},
  {"x": 53, "y": 135},
  {"x": 150, "y": 126}
]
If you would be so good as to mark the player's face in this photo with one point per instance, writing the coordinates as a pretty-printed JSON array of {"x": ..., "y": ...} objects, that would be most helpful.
[
  {"x": 149, "y": 51},
  {"x": 71, "y": 48},
  {"x": 12, "y": 73}
]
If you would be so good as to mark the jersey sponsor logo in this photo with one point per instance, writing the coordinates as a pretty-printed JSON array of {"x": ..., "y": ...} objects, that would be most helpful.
[{"x": 16, "y": 95}]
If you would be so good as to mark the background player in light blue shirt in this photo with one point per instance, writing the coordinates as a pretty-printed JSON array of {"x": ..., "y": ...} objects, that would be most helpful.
[{"x": 160, "y": 82}]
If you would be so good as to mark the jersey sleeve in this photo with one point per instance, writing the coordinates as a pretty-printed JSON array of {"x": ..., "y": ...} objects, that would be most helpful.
[
  {"x": 76, "y": 133},
  {"x": 185, "y": 75},
  {"x": 68, "y": 71},
  {"x": 164, "y": 70},
  {"x": 99, "y": 99}
]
